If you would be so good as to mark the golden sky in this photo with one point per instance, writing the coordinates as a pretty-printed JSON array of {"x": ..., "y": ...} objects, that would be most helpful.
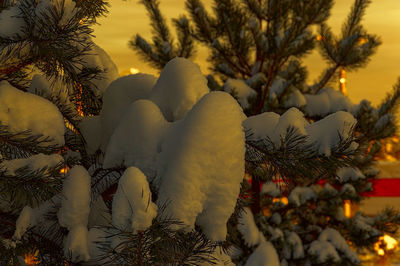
[{"x": 127, "y": 18}]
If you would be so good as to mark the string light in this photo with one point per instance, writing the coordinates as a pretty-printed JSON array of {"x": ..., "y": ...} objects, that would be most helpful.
[
  {"x": 347, "y": 208},
  {"x": 342, "y": 81}
]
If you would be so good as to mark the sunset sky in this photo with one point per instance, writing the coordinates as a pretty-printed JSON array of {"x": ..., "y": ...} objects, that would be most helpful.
[{"x": 127, "y": 18}]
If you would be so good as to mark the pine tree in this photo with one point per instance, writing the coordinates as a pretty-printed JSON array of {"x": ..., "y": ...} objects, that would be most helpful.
[
  {"x": 53, "y": 187},
  {"x": 256, "y": 49}
]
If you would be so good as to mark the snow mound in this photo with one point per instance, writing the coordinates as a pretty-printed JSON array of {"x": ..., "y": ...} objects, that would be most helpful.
[
  {"x": 137, "y": 139},
  {"x": 295, "y": 99},
  {"x": 22, "y": 111},
  {"x": 271, "y": 189},
  {"x": 240, "y": 90},
  {"x": 337, "y": 240},
  {"x": 327, "y": 133},
  {"x": 291, "y": 118},
  {"x": 301, "y": 195},
  {"x": 34, "y": 162},
  {"x": 11, "y": 22},
  {"x": 75, "y": 205},
  {"x": 293, "y": 246},
  {"x": 262, "y": 125},
  {"x": 346, "y": 174},
  {"x": 132, "y": 208},
  {"x": 201, "y": 167},
  {"x": 90, "y": 127},
  {"x": 328, "y": 101},
  {"x": 26, "y": 220},
  {"x": 76, "y": 244},
  {"x": 97, "y": 57},
  {"x": 322, "y": 251},
  {"x": 264, "y": 255},
  {"x": 179, "y": 87},
  {"x": 248, "y": 228},
  {"x": 117, "y": 98},
  {"x": 74, "y": 213}
]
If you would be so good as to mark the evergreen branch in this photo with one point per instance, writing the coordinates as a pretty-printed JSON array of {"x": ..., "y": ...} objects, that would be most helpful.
[
  {"x": 391, "y": 102},
  {"x": 354, "y": 18},
  {"x": 185, "y": 47},
  {"x": 23, "y": 144}
]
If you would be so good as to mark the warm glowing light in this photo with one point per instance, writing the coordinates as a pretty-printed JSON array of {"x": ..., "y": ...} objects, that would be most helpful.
[
  {"x": 319, "y": 37},
  {"x": 284, "y": 200},
  {"x": 342, "y": 81},
  {"x": 133, "y": 70},
  {"x": 31, "y": 259},
  {"x": 64, "y": 170},
  {"x": 362, "y": 40},
  {"x": 347, "y": 208},
  {"x": 391, "y": 243},
  {"x": 385, "y": 243}
]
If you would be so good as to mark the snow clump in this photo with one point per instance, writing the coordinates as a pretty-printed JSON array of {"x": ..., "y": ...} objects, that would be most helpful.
[
  {"x": 137, "y": 139},
  {"x": 179, "y": 87},
  {"x": 240, "y": 90},
  {"x": 132, "y": 208},
  {"x": 21, "y": 111},
  {"x": 74, "y": 213},
  {"x": 201, "y": 167}
]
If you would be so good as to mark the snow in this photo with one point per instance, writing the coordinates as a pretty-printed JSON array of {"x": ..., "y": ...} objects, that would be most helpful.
[
  {"x": 26, "y": 219},
  {"x": 74, "y": 213},
  {"x": 117, "y": 98},
  {"x": 132, "y": 208},
  {"x": 201, "y": 167},
  {"x": 75, "y": 204},
  {"x": 262, "y": 125},
  {"x": 301, "y": 195},
  {"x": 325, "y": 133},
  {"x": 349, "y": 190},
  {"x": 277, "y": 87},
  {"x": 221, "y": 258},
  {"x": 248, "y": 228},
  {"x": 30, "y": 217},
  {"x": 329, "y": 131},
  {"x": 22, "y": 111},
  {"x": 76, "y": 244},
  {"x": 337, "y": 240},
  {"x": 293, "y": 246},
  {"x": 97, "y": 57},
  {"x": 179, "y": 87},
  {"x": 90, "y": 128},
  {"x": 346, "y": 174},
  {"x": 95, "y": 237},
  {"x": 264, "y": 255},
  {"x": 295, "y": 99},
  {"x": 323, "y": 250},
  {"x": 68, "y": 9},
  {"x": 34, "y": 163},
  {"x": 240, "y": 90},
  {"x": 271, "y": 189},
  {"x": 137, "y": 139},
  {"x": 328, "y": 101},
  {"x": 291, "y": 118},
  {"x": 276, "y": 218},
  {"x": 11, "y": 22},
  {"x": 362, "y": 224}
]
